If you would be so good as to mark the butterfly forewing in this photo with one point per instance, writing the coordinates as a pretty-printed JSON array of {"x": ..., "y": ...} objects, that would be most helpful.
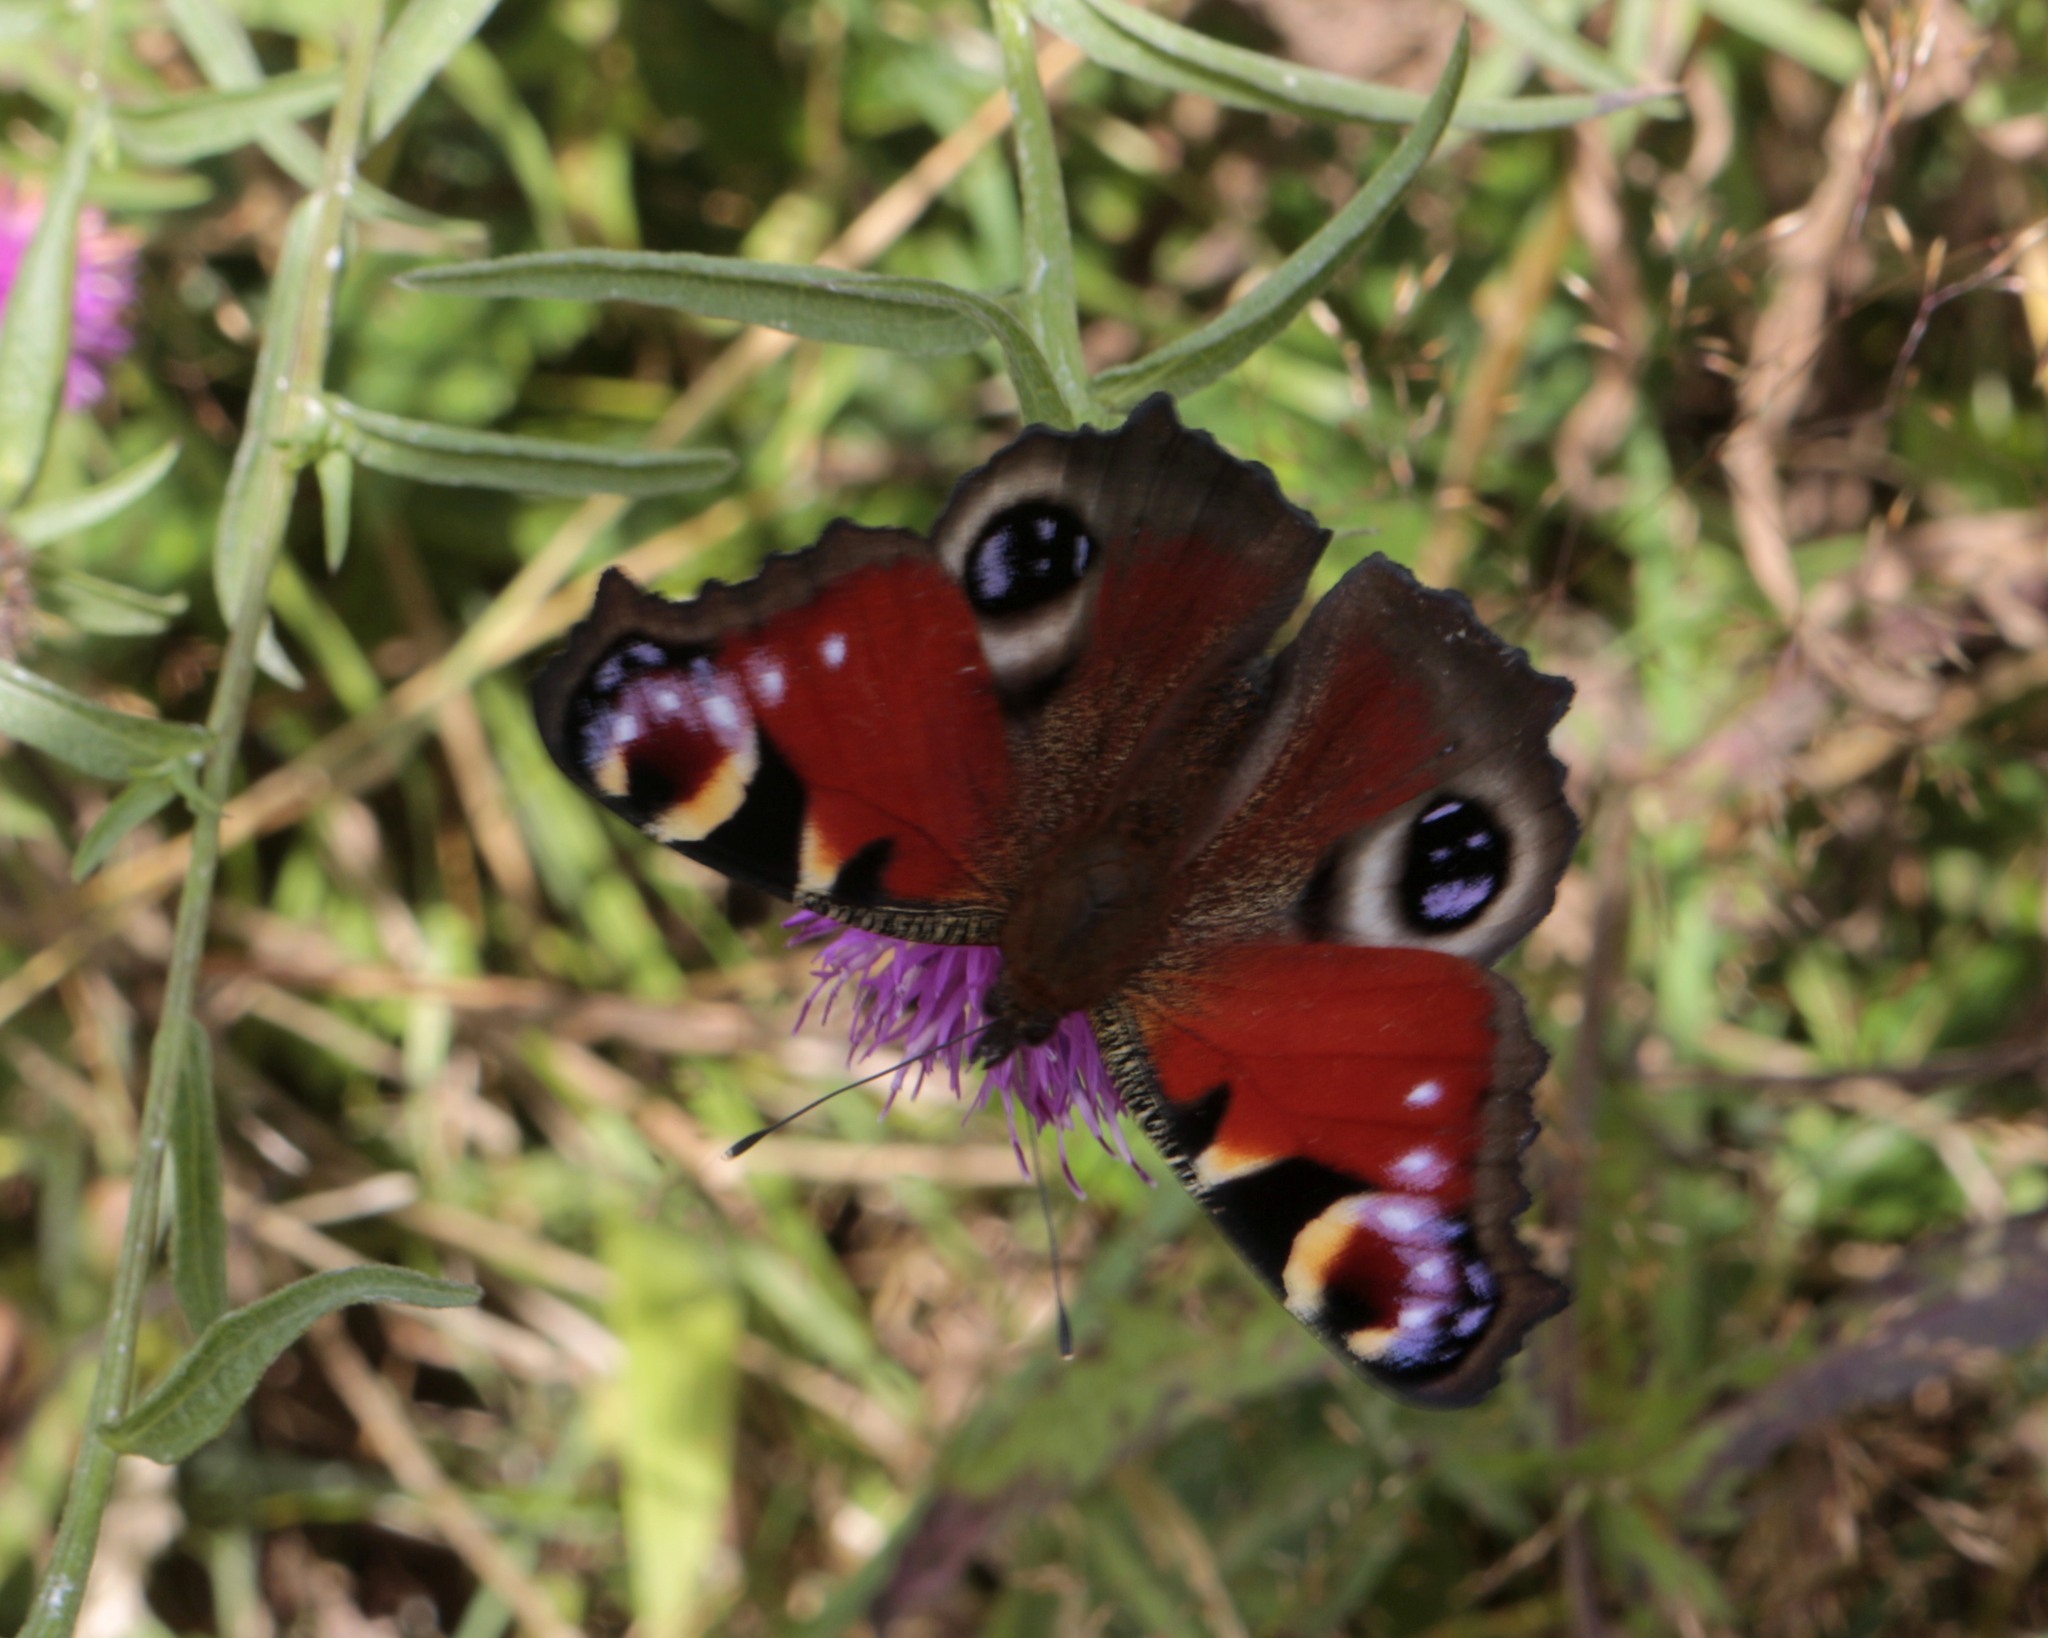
[{"x": 832, "y": 737}]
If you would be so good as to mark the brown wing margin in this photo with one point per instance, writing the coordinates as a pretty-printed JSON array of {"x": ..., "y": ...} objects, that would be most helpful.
[{"x": 1284, "y": 1093}]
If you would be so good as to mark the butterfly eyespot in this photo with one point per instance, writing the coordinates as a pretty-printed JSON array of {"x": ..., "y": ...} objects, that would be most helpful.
[
  {"x": 1026, "y": 557},
  {"x": 622, "y": 662},
  {"x": 1456, "y": 865}
]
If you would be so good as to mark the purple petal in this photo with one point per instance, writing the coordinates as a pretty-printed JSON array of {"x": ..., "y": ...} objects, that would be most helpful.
[
  {"x": 102, "y": 292},
  {"x": 924, "y": 1001}
]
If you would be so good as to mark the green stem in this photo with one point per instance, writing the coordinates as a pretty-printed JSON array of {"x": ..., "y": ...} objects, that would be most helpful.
[
  {"x": 1050, "y": 304},
  {"x": 252, "y": 528}
]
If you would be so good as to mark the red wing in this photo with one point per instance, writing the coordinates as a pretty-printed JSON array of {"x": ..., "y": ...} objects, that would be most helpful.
[
  {"x": 827, "y": 731},
  {"x": 1353, "y": 1117},
  {"x": 1400, "y": 788}
]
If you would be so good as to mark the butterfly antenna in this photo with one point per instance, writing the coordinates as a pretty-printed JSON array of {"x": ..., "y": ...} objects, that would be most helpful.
[
  {"x": 753, "y": 1138},
  {"x": 1052, "y": 1241}
]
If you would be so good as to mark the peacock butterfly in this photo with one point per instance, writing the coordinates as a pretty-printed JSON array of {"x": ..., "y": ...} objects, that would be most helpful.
[{"x": 1271, "y": 882}]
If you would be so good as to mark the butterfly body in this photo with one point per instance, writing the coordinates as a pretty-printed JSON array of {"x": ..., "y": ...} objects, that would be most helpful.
[{"x": 1270, "y": 882}]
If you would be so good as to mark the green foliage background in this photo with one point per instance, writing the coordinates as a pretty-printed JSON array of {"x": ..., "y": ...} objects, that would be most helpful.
[{"x": 1728, "y": 406}]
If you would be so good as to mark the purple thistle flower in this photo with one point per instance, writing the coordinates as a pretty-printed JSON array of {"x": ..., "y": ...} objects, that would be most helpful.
[
  {"x": 102, "y": 294},
  {"x": 918, "y": 1001}
]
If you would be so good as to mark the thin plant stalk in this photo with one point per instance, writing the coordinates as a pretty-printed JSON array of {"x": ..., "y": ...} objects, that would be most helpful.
[
  {"x": 1050, "y": 303},
  {"x": 271, "y": 466}
]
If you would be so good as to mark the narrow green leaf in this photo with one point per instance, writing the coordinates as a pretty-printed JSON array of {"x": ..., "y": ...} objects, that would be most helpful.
[
  {"x": 1827, "y": 44},
  {"x": 180, "y": 129},
  {"x": 92, "y": 738},
  {"x": 106, "y": 608},
  {"x": 204, "y": 1389},
  {"x": 199, "y": 1224},
  {"x": 917, "y": 316},
  {"x": 337, "y": 475},
  {"x": 227, "y": 56},
  {"x": 141, "y": 801},
  {"x": 1051, "y": 307},
  {"x": 274, "y": 661},
  {"x": 35, "y": 331},
  {"x": 1151, "y": 48},
  {"x": 1550, "y": 45},
  {"x": 1193, "y": 361},
  {"x": 426, "y": 35},
  {"x": 123, "y": 190},
  {"x": 536, "y": 466},
  {"x": 53, "y": 520},
  {"x": 217, "y": 41},
  {"x": 820, "y": 303}
]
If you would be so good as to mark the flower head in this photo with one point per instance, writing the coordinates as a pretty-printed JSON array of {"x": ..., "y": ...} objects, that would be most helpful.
[
  {"x": 923, "y": 1002},
  {"x": 103, "y": 292}
]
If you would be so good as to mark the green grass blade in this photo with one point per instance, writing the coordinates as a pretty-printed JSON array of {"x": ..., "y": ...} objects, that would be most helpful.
[
  {"x": 1552, "y": 46},
  {"x": 105, "y": 743},
  {"x": 485, "y": 92},
  {"x": 1150, "y": 48},
  {"x": 434, "y": 453},
  {"x": 180, "y": 129},
  {"x": 53, "y": 520},
  {"x": 199, "y": 1225},
  {"x": 141, "y": 801},
  {"x": 1227, "y": 341},
  {"x": 204, "y": 1389},
  {"x": 680, "y": 1320},
  {"x": 426, "y": 35},
  {"x": 1825, "y": 43},
  {"x": 35, "y": 332}
]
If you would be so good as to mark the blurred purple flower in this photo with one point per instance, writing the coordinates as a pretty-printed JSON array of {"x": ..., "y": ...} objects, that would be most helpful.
[
  {"x": 104, "y": 291},
  {"x": 917, "y": 1001}
]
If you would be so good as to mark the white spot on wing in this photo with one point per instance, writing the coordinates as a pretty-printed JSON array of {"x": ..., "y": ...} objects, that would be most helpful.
[
  {"x": 1421, "y": 1167},
  {"x": 833, "y": 650},
  {"x": 1434, "y": 1272},
  {"x": 722, "y": 715},
  {"x": 770, "y": 686},
  {"x": 625, "y": 728},
  {"x": 1405, "y": 1219},
  {"x": 1426, "y": 1095}
]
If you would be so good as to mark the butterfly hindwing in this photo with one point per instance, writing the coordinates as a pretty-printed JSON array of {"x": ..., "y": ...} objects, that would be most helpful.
[
  {"x": 1400, "y": 787},
  {"x": 1352, "y": 1118}
]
